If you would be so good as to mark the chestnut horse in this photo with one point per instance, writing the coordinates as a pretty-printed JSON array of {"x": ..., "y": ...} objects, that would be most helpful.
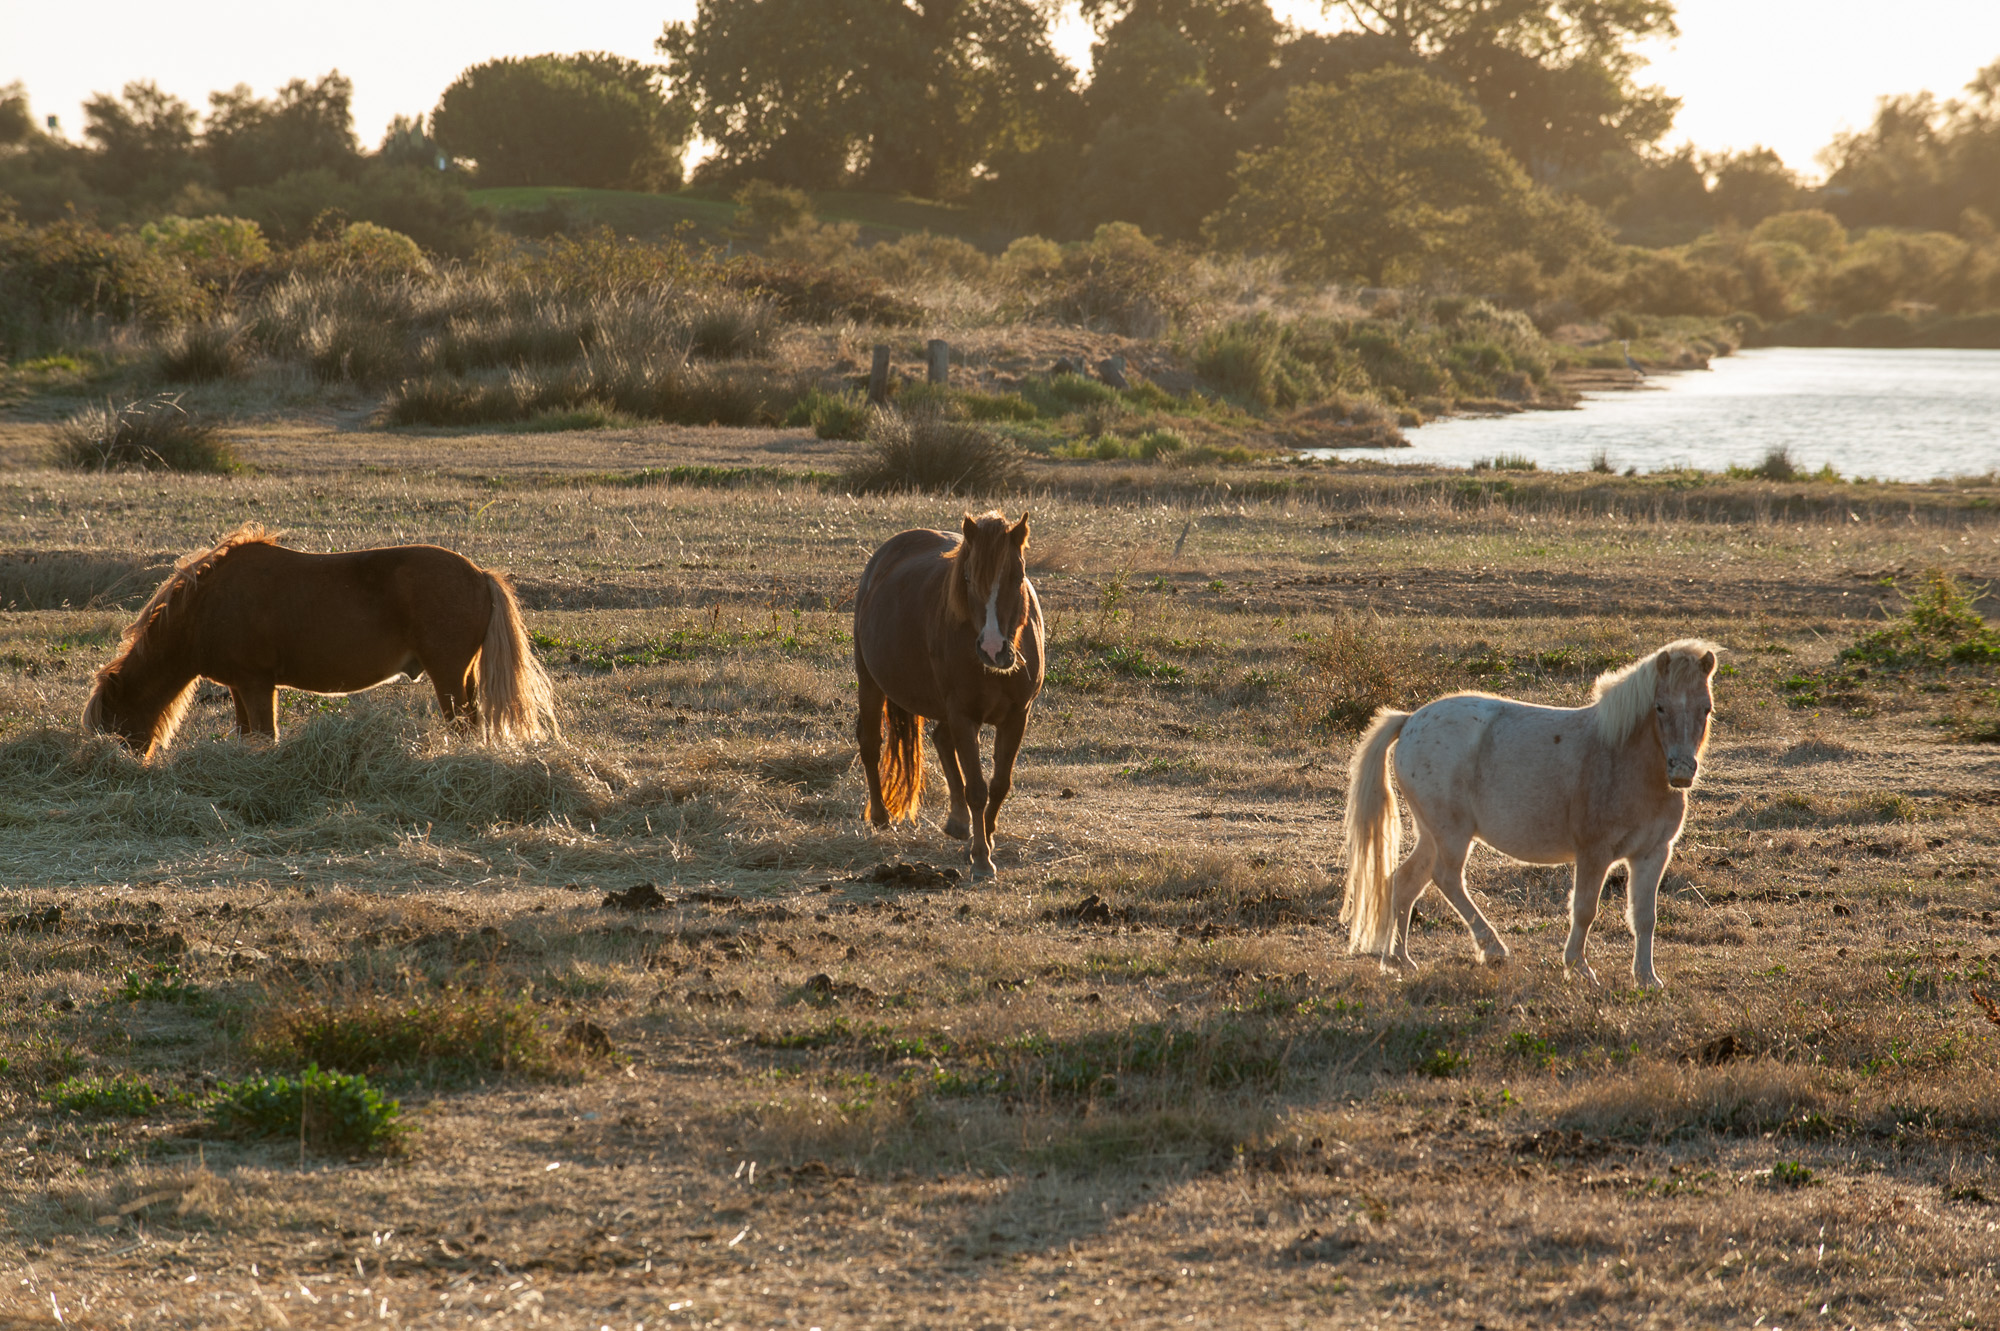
[
  {"x": 947, "y": 627},
  {"x": 253, "y": 615},
  {"x": 1588, "y": 786}
]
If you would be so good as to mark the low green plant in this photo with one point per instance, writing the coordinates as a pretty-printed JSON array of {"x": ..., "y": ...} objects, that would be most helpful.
[
  {"x": 1940, "y": 625},
  {"x": 330, "y": 1111},
  {"x": 119, "y": 1096},
  {"x": 160, "y": 983},
  {"x": 152, "y": 434},
  {"x": 1790, "y": 1174}
]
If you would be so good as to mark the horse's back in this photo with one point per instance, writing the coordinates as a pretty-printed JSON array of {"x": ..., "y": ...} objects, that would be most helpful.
[
  {"x": 908, "y": 559},
  {"x": 328, "y": 622},
  {"x": 1503, "y": 771}
]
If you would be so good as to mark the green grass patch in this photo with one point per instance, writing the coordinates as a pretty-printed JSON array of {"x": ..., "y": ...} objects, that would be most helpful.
[
  {"x": 1939, "y": 627},
  {"x": 160, "y": 983}
]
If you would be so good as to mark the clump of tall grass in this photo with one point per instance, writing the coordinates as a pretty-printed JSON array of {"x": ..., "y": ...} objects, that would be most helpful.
[
  {"x": 200, "y": 353},
  {"x": 927, "y": 451},
  {"x": 1778, "y": 465},
  {"x": 155, "y": 433},
  {"x": 441, "y": 1037},
  {"x": 729, "y": 325},
  {"x": 650, "y": 389},
  {"x": 1506, "y": 462}
]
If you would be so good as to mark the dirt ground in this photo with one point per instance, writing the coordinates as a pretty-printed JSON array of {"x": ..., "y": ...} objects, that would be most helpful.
[{"x": 1137, "y": 1080}]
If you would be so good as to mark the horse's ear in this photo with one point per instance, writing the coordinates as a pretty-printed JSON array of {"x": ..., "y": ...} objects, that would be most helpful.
[
  {"x": 1707, "y": 663},
  {"x": 971, "y": 527},
  {"x": 1018, "y": 533},
  {"x": 1663, "y": 663}
]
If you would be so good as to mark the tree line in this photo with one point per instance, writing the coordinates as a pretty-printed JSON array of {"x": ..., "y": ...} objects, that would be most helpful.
[{"x": 1487, "y": 144}]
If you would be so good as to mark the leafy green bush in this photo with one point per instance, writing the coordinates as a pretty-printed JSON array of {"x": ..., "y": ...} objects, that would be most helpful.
[
  {"x": 831, "y": 415},
  {"x": 99, "y": 1096},
  {"x": 215, "y": 251},
  {"x": 330, "y": 1111},
  {"x": 157, "y": 433},
  {"x": 70, "y": 270}
]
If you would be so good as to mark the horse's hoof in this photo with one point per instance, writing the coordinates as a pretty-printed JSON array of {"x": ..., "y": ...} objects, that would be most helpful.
[
  {"x": 1648, "y": 982},
  {"x": 958, "y": 829},
  {"x": 1495, "y": 956},
  {"x": 981, "y": 872},
  {"x": 1586, "y": 973}
]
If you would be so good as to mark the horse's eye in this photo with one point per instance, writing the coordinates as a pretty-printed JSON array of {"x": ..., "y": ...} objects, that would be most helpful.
[{"x": 1660, "y": 707}]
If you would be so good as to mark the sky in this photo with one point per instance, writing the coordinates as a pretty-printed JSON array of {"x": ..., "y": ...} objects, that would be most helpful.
[{"x": 1785, "y": 74}]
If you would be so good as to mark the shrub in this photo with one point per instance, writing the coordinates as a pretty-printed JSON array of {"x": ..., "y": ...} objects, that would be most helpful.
[
  {"x": 926, "y": 451},
  {"x": 363, "y": 250},
  {"x": 329, "y": 1110},
  {"x": 120, "y": 1096},
  {"x": 831, "y": 415},
  {"x": 141, "y": 436},
  {"x": 71, "y": 270},
  {"x": 215, "y": 251},
  {"x": 1364, "y": 664},
  {"x": 1118, "y": 280}
]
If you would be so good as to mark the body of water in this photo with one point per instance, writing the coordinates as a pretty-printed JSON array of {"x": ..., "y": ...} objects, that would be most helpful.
[{"x": 1906, "y": 414}]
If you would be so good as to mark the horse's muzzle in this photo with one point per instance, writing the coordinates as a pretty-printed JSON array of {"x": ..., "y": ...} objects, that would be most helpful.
[
  {"x": 1003, "y": 662},
  {"x": 1680, "y": 775}
]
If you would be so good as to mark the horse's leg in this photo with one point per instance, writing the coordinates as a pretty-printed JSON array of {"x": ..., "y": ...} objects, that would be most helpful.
[
  {"x": 1589, "y": 885},
  {"x": 868, "y": 734},
  {"x": 458, "y": 702},
  {"x": 256, "y": 708},
  {"x": 960, "y": 823},
  {"x": 1642, "y": 901},
  {"x": 1412, "y": 876},
  {"x": 1450, "y": 879},
  {"x": 964, "y": 730},
  {"x": 1006, "y": 748}
]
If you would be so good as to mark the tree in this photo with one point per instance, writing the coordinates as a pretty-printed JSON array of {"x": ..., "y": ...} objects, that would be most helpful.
[
  {"x": 1388, "y": 179},
  {"x": 918, "y": 97},
  {"x": 17, "y": 122},
  {"x": 1922, "y": 162},
  {"x": 1751, "y": 186},
  {"x": 144, "y": 140},
  {"x": 306, "y": 127},
  {"x": 1556, "y": 78},
  {"x": 589, "y": 119}
]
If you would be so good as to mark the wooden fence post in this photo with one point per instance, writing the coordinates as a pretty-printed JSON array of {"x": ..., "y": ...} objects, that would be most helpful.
[
  {"x": 878, "y": 377},
  {"x": 940, "y": 353}
]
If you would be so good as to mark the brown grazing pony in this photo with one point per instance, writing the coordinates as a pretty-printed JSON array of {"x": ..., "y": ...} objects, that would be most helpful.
[
  {"x": 253, "y": 615},
  {"x": 947, "y": 627}
]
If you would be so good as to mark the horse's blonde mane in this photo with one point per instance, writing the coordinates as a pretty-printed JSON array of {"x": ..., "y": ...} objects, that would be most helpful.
[
  {"x": 156, "y": 619},
  {"x": 1625, "y": 696}
]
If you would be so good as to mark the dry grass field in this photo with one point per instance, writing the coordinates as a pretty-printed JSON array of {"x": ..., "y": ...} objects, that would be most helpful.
[{"x": 1135, "y": 1081}]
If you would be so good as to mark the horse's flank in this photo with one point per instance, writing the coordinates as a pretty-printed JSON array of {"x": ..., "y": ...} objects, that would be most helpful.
[{"x": 327, "y": 623}]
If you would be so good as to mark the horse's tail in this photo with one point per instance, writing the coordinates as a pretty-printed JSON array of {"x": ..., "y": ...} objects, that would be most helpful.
[
  {"x": 902, "y": 761},
  {"x": 1374, "y": 837},
  {"x": 516, "y": 700}
]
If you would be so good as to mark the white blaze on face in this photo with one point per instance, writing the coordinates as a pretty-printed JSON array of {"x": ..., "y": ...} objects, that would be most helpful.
[{"x": 990, "y": 639}]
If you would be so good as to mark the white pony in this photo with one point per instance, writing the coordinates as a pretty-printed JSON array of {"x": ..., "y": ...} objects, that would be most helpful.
[{"x": 1589, "y": 786}]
